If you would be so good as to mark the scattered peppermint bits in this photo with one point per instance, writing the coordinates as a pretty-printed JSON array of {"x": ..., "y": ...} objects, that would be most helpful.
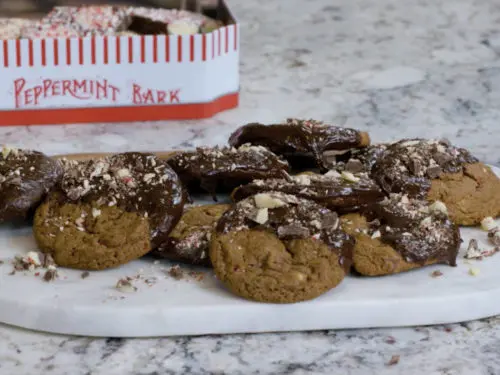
[
  {"x": 474, "y": 271},
  {"x": 474, "y": 252},
  {"x": 176, "y": 272},
  {"x": 34, "y": 262},
  {"x": 125, "y": 286},
  {"x": 29, "y": 262},
  {"x": 488, "y": 224}
]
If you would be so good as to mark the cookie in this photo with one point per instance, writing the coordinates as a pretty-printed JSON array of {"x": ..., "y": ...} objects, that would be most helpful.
[
  {"x": 401, "y": 234},
  {"x": 356, "y": 160},
  {"x": 133, "y": 182},
  {"x": 274, "y": 247},
  {"x": 302, "y": 142},
  {"x": 436, "y": 170},
  {"x": 218, "y": 170},
  {"x": 341, "y": 192},
  {"x": 88, "y": 236},
  {"x": 189, "y": 241},
  {"x": 25, "y": 178}
]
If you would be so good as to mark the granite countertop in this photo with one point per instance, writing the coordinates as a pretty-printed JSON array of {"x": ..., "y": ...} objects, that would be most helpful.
[{"x": 394, "y": 68}]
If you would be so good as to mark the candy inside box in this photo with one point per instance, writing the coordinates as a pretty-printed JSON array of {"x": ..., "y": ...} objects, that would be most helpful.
[{"x": 58, "y": 77}]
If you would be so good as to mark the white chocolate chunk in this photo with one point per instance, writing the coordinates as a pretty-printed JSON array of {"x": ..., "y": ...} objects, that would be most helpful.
[
  {"x": 262, "y": 216},
  {"x": 182, "y": 27},
  {"x": 488, "y": 223},
  {"x": 438, "y": 206},
  {"x": 348, "y": 176},
  {"x": 264, "y": 200}
]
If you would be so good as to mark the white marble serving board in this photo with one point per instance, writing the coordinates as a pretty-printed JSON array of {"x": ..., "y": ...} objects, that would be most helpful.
[{"x": 94, "y": 307}]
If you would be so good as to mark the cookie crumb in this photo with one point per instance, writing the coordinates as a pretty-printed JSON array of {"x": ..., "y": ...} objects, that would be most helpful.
[
  {"x": 436, "y": 273},
  {"x": 176, "y": 272},
  {"x": 125, "y": 286},
  {"x": 85, "y": 274},
  {"x": 394, "y": 360}
]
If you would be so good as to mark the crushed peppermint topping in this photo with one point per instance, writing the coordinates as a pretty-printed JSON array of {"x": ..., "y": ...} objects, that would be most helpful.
[
  {"x": 414, "y": 228},
  {"x": 313, "y": 186},
  {"x": 416, "y": 162},
  {"x": 289, "y": 216}
]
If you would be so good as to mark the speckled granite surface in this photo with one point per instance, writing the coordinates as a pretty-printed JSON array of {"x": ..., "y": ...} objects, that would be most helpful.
[{"x": 394, "y": 68}]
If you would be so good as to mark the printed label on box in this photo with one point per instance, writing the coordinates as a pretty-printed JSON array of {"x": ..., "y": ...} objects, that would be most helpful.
[{"x": 188, "y": 76}]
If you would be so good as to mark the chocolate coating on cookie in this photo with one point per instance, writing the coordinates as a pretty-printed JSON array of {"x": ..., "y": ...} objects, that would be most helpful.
[
  {"x": 408, "y": 166},
  {"x": 134, "y": 182},
  {"x": 341, "y": 192},
  {"x": 221, "y": 169},
  {"x": 189, "y": 241},
  {"x": 357, "y": 160},
  {"x": 419, "y": 231},
  {"x": 289, "y": 217},
  {"x": 25, "y": 178},
  {"x": 300, "y": 141}
]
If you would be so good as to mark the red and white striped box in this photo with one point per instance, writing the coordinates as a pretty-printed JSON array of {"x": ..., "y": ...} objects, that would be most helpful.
[{"x": 119, "y": 78}]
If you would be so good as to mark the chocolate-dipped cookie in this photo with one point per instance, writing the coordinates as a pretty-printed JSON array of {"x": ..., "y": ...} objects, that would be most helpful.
[
  {"x": 400, "y": 234},
  {"x": 25, "y": 178},
  {"x": 189, "y": 241},
  {"x": 302, "y": 142},
  {"x": 436, "y": 170},
  {"x": 135, "y": 184},
  {"x": 342, "y": 192},
  {"x": 89, "y": 236},
  {"x": 357, "y": 160},
  {"x": 274, "y": 247},
  {"x": 218, "y": 170}
]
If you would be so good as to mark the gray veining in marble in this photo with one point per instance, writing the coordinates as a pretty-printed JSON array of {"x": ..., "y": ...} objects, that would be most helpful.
[{"x": 395, "y": 68}]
